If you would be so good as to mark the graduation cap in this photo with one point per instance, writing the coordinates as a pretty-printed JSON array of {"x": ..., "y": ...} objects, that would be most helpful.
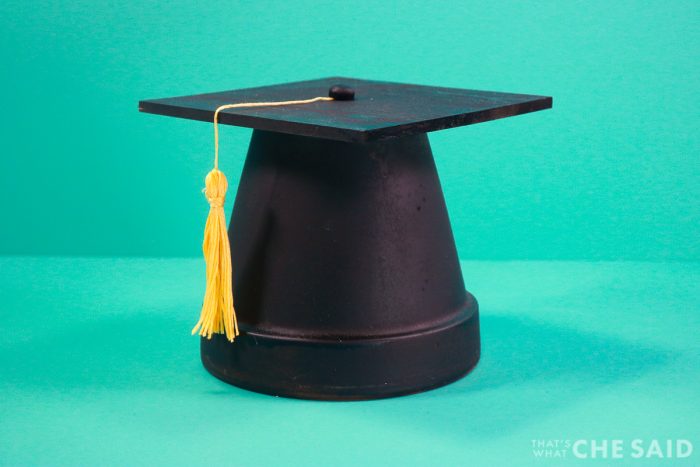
[{"x": 339, "y": 257}]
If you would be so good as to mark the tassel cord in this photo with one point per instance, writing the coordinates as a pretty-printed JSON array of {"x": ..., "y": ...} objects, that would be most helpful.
[{"x": 218, "y": 315}]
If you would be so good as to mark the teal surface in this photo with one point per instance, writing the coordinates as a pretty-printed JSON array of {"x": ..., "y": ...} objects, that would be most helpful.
[
  {"x": 612, "y": 172},
  {"x": 98, "y": 368}
]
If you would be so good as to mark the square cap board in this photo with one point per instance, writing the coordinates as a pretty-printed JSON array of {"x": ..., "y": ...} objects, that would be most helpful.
[{"x": 379, "y": 110}]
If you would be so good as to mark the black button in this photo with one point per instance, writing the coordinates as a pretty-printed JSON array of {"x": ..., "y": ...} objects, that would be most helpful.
[{"x": 341, "y": 93}]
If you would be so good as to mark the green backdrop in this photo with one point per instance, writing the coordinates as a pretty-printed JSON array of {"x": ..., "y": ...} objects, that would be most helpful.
[{"x": 612, "y": 172}]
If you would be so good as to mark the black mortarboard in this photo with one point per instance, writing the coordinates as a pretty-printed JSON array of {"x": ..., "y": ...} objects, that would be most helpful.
[{"x": 346, "y": 279}]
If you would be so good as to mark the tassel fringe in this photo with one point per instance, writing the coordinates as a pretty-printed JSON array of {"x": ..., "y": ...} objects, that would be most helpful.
[{"x": 218, "y": 315}]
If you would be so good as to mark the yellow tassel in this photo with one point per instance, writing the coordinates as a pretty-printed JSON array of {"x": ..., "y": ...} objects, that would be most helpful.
[{"x": 218, "y": 315}]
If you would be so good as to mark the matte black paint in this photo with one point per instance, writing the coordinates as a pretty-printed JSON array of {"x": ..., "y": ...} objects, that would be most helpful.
[
  {"x": 379, "y": 110},
  {"x": 346, "y": 278}
]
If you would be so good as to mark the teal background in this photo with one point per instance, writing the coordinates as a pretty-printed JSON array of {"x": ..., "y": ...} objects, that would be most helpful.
[
  {"x": 579, "y": 226},
  {"x": 612, "y": 172}
]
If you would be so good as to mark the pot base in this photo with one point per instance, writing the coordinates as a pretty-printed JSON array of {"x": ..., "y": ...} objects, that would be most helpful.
[{"x": 353, "y": 369}]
